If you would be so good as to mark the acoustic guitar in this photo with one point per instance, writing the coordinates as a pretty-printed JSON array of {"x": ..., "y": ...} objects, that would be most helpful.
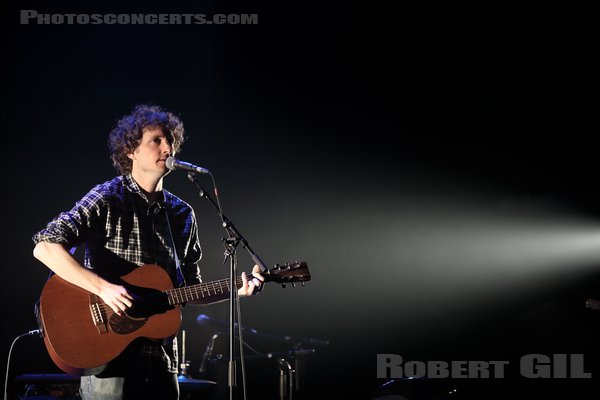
[{"x": 82, "y": 332}]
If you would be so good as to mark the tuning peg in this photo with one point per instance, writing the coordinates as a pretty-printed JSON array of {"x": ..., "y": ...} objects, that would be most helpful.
[
  {"x": 293, "y": 284},
  {"x": 302, "y": 283}
]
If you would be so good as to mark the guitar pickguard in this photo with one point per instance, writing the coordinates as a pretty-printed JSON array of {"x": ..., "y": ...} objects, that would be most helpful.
[{"x": 124, "y": 324}]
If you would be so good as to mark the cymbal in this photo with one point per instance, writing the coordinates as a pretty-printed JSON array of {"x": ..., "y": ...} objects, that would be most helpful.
[{"x": 189, "y": 383}]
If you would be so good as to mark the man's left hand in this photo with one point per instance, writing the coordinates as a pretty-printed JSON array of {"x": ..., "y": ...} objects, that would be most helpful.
[{"x": 253, "y": 285}]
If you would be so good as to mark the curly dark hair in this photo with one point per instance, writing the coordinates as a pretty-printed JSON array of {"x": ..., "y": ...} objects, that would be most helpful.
[{"x": 126, "y": 136}]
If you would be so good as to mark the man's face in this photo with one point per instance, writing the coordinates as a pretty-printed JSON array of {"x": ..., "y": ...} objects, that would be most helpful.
[{"x": 151, "y": 154}]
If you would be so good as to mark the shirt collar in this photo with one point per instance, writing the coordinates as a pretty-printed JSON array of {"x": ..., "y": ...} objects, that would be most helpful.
[{"x": 133, "y": 187}]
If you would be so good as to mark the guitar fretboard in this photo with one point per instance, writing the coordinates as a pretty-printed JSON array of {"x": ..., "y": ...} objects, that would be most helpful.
[{"x": 201, "y": 291}]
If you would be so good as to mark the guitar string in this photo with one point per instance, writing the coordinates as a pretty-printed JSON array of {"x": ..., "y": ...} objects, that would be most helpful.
[
  {"x": 198, "y": 290},
  {"x": 189, "y": 291}
]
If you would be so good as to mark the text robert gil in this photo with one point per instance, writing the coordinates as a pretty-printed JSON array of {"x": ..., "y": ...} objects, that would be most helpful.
[{"x": 391, "y": 366}]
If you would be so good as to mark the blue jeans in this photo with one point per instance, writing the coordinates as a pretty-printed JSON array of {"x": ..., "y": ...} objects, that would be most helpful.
[
  {"x": 132, "y": 376},
  {"x": 162, "y": 386}
]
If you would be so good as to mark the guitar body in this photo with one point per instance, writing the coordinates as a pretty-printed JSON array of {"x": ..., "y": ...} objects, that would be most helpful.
[{"x": 80, "y": 331}]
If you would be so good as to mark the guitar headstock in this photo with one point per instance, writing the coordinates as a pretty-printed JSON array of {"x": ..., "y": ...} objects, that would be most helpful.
[{"x": 289, "y": 273}]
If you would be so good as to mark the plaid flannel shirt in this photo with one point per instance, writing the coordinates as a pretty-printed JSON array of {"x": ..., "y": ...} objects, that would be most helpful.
[{"x": 122, "y": 230}]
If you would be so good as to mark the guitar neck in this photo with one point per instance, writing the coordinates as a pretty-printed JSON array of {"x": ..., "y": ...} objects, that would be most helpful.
[
  {"x": 288, "y": 273},
  {"x": 203, "y": 291}
]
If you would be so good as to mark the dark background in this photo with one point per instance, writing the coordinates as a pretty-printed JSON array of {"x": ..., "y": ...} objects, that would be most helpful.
[{"x": 436, "y": 168}]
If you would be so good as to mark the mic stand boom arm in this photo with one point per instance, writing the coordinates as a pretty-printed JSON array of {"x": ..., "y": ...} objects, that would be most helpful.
[{"x": 228, "y": 225}]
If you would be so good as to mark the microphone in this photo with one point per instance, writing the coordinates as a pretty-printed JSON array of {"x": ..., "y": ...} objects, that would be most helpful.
[
  {"x": 207, "y": 353},
  {"x": 173, "y": 164}
]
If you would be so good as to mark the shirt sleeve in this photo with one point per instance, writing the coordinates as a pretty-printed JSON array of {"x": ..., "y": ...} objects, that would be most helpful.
[{"x": 73, "y": 227}]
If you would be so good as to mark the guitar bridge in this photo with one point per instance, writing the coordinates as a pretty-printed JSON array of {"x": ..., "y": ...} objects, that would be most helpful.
[{"x": 99, "y": 317}]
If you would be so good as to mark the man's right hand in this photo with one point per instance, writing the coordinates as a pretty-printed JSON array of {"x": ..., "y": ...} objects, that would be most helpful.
[
  {"x": 59, "y": 260},
  {"x": 115, "y": 296}
]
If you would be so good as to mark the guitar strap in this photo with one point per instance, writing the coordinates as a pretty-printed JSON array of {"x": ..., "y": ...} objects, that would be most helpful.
[{"x": 178, "y": 272}]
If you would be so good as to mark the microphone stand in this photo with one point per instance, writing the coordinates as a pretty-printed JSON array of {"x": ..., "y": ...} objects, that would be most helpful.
[
  {"x": 227, "y": 224},
  {"x": 231, "y": 242}
]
